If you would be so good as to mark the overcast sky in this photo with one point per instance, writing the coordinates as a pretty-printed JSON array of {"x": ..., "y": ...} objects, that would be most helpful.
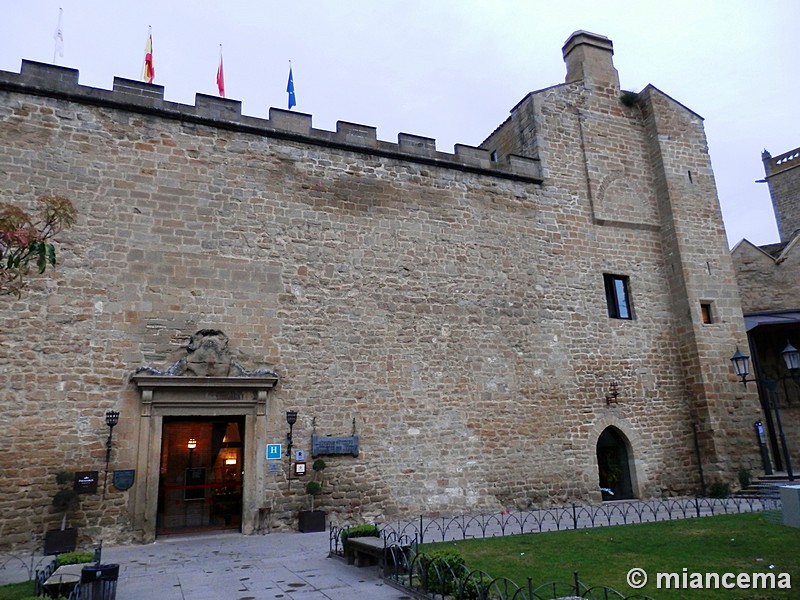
[{"x": 448, "y": 69}]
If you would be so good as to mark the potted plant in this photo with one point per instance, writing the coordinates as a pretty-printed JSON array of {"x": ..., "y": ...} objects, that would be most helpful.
[
  {"x": 313, "y": 520},
  {"x": 65, "y": 499}
]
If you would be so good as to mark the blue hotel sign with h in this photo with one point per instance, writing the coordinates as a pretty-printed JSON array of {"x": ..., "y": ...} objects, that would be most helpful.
[{"x": 273, "y": 451}]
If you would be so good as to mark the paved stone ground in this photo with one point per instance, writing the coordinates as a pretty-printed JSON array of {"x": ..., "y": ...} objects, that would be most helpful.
[
  {"x": 231, "y": 566},
  {"x": 295, "y": 566}
]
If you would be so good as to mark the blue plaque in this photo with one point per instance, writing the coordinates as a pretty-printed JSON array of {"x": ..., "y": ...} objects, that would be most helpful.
[{"x": 123, "y": 479}]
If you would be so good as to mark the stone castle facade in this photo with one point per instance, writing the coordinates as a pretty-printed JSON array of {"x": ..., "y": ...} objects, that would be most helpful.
[
  {"x": 769, "y": 285},
  {"x": 521, "y": 323}
]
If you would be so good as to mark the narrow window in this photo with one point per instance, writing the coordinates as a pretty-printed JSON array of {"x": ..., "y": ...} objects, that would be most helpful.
[
  {"x": 618, "y": 296},
  {"x": 705, "y": 311},
  {"x": 494, "y": 155}
]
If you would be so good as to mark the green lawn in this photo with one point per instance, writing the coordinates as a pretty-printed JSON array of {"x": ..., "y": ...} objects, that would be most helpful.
[
  {"x": 14, "y": 591},
  {"x": 744, "y": 543}
]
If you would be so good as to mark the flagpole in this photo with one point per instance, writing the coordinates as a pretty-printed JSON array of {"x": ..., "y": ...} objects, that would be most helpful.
[
  {"x": 59, "y": 37},
  {"x": 148, "y": 70},
  {"x": 220, "y": 75},
  {"x": 290, "y": 88}
]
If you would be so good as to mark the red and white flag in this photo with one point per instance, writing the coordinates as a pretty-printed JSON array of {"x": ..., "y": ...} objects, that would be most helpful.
[
  {"x": 220, "y": 75},
  {"x": 149, "y": 72}
]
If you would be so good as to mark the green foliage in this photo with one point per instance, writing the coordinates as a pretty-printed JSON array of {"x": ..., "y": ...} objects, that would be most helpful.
[
  {"x": 17, "y": 591},
  {"x": 720, "y": 489},
  {"x": 25, "y": 239},
  {"x": 64, "y": 478},
  {"x": 313, "y": 488},
  {"x": 745, "y": 477},
  {"x": 629, "y": 99},
  {"x": 64, "y": 499},
  {"x": 443, "y": 568},
  {"x": 77, "y": 557},
  {"x": 363, "y": 530},
  {"x": 737, "y": 543}
]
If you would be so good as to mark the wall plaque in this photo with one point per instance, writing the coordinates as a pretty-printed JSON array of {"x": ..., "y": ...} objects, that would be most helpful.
[
  {"x": 326, "y": 445},
  {"x": 85, "y": 482},
  {"x": 123, "y": 479}
]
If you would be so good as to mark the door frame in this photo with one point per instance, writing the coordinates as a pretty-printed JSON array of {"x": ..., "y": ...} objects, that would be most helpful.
[{"x": 165, "y": 395}]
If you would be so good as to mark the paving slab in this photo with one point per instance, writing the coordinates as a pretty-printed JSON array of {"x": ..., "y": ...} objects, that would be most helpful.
[{"x": 231, "y": 566}]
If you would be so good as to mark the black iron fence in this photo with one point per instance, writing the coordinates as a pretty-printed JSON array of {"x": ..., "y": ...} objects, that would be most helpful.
[
  {"x": 574, "y": 516},
  {"x": 437, "y": 579},
  {"x": 404, "y": 566}
]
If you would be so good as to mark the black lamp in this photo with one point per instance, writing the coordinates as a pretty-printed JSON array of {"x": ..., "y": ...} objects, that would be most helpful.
[
  {"x": 291, "y": 419},
  {"x": 741, "y": 365},
  {"x": 112, "y": 418},
  {"x": 791, "y": 358}
]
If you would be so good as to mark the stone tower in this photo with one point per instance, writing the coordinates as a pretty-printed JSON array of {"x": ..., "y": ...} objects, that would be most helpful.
[{"x": 783, "y": 177}]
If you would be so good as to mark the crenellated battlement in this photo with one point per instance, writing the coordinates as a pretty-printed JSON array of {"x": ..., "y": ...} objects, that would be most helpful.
[
  {"x": 777, "y": 164},
  {"x": 61, "y": 82}
]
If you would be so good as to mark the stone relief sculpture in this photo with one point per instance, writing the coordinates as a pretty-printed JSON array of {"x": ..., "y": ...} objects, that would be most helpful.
[{"x": 207, "y": 355}]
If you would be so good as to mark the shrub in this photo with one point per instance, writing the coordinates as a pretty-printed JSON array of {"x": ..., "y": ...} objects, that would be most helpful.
[
  {"x": 74, "y": 558},
  {"x": 443, "y": 569},
  {"x": 363, "y": 530},
  {"x": 720, "y": 489},
  {"x": 745, "y": 478},
  {"x": 629, "y": 99}
]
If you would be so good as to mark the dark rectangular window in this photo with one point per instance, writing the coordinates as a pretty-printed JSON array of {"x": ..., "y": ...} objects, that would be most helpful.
[
  {"x": 705, "y": 311},
  {"x": 618, "y": 296}
]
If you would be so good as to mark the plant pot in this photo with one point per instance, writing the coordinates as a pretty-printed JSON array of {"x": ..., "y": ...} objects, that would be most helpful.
[
  {"x": 312, "y": 521},
  {"x": 57, "y": 541}
]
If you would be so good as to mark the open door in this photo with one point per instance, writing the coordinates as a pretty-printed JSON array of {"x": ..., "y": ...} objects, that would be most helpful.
[
  {"x": 613, "y": 465},
  {"x": 200, "y": 479}
]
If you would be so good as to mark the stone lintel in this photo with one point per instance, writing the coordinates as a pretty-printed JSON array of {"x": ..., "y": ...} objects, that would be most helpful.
[{"x": 155, "y": 382}]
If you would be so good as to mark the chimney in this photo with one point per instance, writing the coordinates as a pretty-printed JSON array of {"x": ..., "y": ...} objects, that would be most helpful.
[{"x": 588, "y": 58}]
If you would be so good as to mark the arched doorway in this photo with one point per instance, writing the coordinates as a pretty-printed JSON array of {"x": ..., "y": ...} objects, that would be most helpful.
[{"x": 614, "y": 465}]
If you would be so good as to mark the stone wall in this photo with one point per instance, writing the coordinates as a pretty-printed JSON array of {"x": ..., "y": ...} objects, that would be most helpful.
[
  {"x": 767, "y": 283},
  {"x": 783, "y": 178},
  {"x": 452, "y": 305}
]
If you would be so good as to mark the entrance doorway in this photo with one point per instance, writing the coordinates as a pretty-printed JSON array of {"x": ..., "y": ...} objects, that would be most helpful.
[
  {"x": 613, "y": 464},
  {"x": 200, "y": 478}
]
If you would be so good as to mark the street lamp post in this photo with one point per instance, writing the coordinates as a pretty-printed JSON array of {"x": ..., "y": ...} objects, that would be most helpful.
[{"x": 791, "y": 358}]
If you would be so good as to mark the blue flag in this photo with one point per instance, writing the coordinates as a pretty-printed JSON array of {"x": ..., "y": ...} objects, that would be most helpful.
[{"x": 290, "y": 89}]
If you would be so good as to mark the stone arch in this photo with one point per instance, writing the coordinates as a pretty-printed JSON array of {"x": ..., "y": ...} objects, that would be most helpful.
[{"x": 613, "y": 439}]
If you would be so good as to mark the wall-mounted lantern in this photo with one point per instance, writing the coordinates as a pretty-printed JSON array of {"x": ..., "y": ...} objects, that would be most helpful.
[
  {"x": 791, "y": 359},
  {"x": 112, "y": 418}
]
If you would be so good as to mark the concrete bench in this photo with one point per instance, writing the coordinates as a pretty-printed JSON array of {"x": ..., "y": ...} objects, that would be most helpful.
[
  {"x": 370, "y": 551},
  {"x": 365, "y": 551},
  {"x": 63, "y": 580}
]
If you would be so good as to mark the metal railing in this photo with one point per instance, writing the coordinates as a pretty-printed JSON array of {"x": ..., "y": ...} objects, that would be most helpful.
[
  {"x": 574, "y": 516},
  {"x": 437, "y": 579},
  {"x": 405, "y": 567}
]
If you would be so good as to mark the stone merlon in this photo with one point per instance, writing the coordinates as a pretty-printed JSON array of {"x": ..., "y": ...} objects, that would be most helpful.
[{"x": 40, "y": 79}]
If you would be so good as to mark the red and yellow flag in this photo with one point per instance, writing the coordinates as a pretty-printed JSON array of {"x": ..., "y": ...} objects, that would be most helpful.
[{"x": 149, "y": 72}]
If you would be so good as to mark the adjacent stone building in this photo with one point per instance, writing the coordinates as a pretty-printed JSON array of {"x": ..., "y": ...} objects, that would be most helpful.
[
  {"x": 545, "y": 318},
  {"x": 769, "y": 285}
]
